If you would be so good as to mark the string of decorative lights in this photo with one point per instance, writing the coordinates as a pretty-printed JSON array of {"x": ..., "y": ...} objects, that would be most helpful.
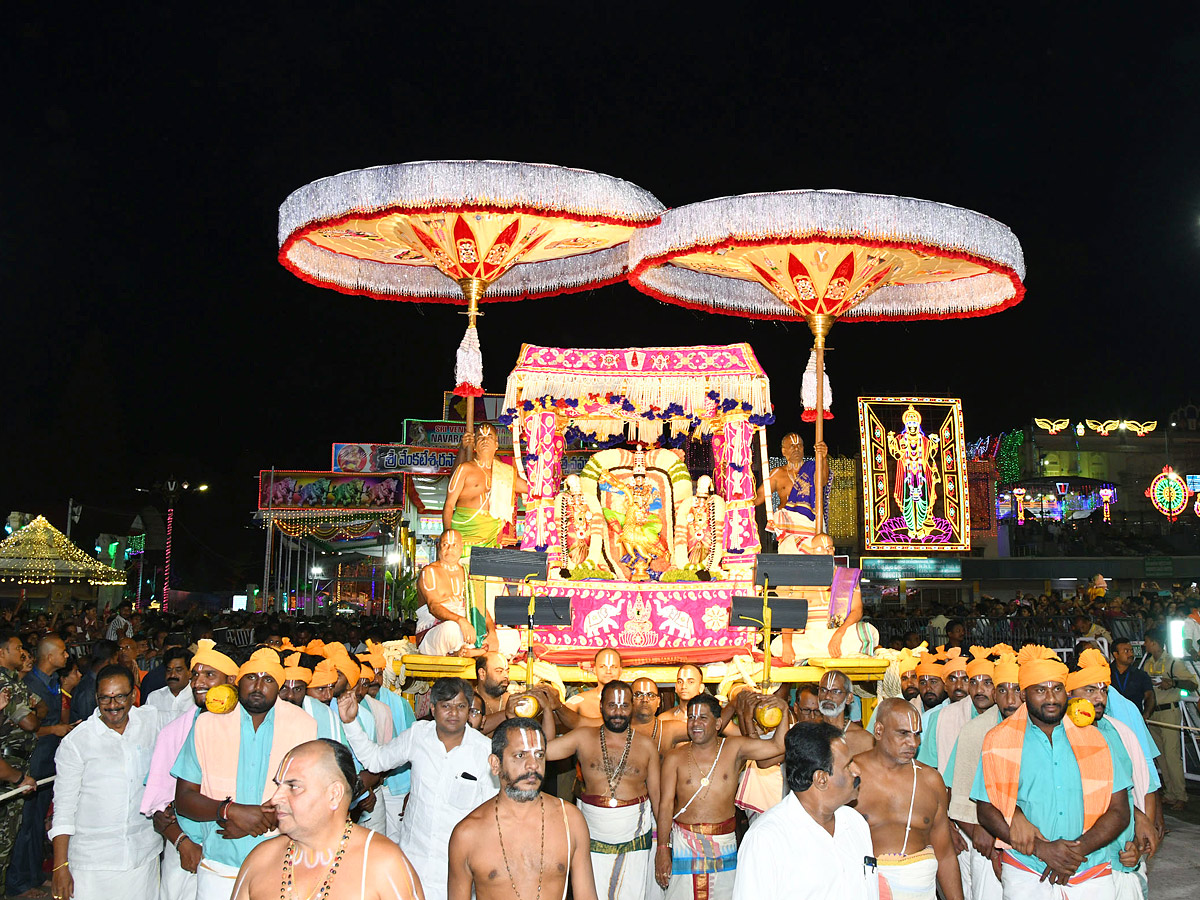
[{"x": 41, "y": 554}]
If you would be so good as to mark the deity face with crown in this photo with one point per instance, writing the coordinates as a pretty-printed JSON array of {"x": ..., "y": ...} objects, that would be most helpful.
[{"x": 912, "y": 420}]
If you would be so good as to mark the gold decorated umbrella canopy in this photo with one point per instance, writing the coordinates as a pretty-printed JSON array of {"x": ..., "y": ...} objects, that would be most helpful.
[
  {"x": 41, "y": 554},
  {"x": 463, "y": 231},
  {"x": 820, "y": 256}
]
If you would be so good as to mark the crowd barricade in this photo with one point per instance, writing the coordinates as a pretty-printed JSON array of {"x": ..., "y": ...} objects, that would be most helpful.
[
  {"x": 241, "y": 637},
  {"x": 1049, "y": 631}
]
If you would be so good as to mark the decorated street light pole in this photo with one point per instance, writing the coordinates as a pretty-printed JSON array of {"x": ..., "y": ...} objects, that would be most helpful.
[{"x": 170, "y": 490}]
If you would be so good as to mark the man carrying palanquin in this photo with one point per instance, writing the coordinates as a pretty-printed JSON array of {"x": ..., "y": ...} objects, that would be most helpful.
[
  {"x": 225, "y": 767},
  {"x": 320, "y": 852},
  {"x": 586, "y": 704},
  {"x": 493, "y": 850},
  {"x": 646, "y": 699},
  {"x": 182, "y": 836},
  {"x": 699, "y": 783},
  {"x": 982, "y": 856},
  {"x": 1054, "y": 791},
  {"x": 941, "y": 726},
  {"x": 448, "y": 624},
  {"x": 905, "y": 803},
  {"x": 620, "y": 770},
  {"x": 480, "y": 501},
  {"x": 1139, "y": 840}
]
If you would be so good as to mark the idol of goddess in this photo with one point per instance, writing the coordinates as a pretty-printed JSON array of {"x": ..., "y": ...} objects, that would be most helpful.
[
  {"x": 917, "y": 478},
  {"x": 702, "y": 526}
]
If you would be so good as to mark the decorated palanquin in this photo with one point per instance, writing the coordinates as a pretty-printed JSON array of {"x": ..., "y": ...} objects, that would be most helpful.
[{"x": 649, "y": 559}]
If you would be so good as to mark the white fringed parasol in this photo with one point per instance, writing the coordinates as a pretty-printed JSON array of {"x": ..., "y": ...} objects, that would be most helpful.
[
  {"x": 825, "y": 255},
  {"x": 463, "y": 231}
]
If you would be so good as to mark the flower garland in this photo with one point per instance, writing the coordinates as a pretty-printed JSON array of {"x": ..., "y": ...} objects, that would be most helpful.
[{"x": 622, "y": 407}]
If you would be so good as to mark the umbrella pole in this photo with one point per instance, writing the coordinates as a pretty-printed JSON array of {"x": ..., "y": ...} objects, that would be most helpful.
[
  {"x": 819, "y": 324},
  {"x": 472, "y": 289}
]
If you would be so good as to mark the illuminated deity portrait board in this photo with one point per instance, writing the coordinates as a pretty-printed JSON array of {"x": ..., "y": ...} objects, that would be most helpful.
[{"x": 915, "y": 493}]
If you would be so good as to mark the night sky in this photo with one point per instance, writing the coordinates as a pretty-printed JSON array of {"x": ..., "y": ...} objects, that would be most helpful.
[{"x": 151, "y": 331}]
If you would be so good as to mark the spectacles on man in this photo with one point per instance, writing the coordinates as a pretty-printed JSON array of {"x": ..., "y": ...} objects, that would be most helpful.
[
  {"x": 110, "y": 699},
  {"x": 644, "y": 695}
]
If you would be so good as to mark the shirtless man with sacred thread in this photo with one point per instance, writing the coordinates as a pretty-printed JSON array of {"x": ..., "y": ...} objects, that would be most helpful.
[
  {"x": 905, "y": 804},
  {"x": 689, "y": 681},
  {"x": 700, "y": 780},
  {"x": 320, "y": 851},
  {"x": 586, "y": 704},
  {"x": 523, "y": 844},
  {"x": 620, "y": 775}
]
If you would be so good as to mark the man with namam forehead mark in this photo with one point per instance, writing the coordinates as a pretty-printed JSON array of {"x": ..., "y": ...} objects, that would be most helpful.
[
  {"x": 318, "y": 846},
  {"x": 620, "y": 774},
  {"x": 523, "y": 844},
  {"x": 904, "y": 803}
]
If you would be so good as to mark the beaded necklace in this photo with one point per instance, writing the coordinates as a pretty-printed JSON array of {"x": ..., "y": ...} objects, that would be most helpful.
[{"x": 285, "y": 890}]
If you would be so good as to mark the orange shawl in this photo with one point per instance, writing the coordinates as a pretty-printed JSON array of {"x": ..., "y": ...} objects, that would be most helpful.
[
  {"x": 1002, "y": 765},
  {"x": 219, "y": 738}
]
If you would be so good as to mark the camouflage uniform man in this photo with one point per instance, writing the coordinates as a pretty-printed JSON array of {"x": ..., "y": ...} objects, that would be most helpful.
[{"x": 17, "y": 738}]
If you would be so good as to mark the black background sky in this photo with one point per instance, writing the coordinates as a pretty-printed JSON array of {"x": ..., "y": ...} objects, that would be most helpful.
[{"x": 149, "y": 329}]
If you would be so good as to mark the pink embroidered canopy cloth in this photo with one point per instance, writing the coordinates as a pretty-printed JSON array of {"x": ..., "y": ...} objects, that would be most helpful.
[{"x": 597, "y": 394}]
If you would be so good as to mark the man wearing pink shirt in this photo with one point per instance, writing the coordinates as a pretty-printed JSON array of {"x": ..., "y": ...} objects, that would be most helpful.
[{"x": 182, "y": 853}]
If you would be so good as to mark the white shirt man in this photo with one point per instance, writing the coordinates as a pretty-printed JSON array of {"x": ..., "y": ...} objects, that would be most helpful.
[
  {"x": 171, "y": 706},
  {"x": 119, "y": 628},
  {"x": 446, "y": 784},
  {"x": 811, "y": 845},
  {"x": 113, "y": 849}
]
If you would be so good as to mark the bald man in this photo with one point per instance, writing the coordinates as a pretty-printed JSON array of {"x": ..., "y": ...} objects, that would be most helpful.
[
  {"x": 318, "y": 844},
  {"x": 586, "y": 704},
  {"x": 905, "y": 803},
  {"x": 689, "y": 683}
]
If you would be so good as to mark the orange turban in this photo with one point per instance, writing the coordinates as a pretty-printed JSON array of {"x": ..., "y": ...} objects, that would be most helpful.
[
  {"x": 315, "y": 647},
  {"x": 323, "y": 675},
  {"x": 337, "y": 654},
  {"x": 207, "y": 656},
  {"x": 286, "y": 644},
  {"x": 929, "y": 665},
  {"x": 980, "y": 664},
  {"x": 366, "y": 673},
  {"x": 1007, "y": 671},
  {"x": 1093, "y": 669},
  {"x": 293, "y": 671},
  {"x": 1039, "y": 664},
  {"x": 264, "y": 661},
  {"x": 955, "y": 662},
  {"x": 374, "y": 655}
]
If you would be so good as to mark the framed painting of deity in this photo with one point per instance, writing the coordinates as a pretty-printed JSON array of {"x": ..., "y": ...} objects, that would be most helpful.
[{"x": 914, "y": 471}]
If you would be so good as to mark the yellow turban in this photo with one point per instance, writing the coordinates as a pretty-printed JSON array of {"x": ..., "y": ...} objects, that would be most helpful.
[
  {"x": 1007, "y": 671},
  {"x": 1039, "y": 664},
  {"x": 293, "y": 671},
  {"x": 980, "y": 664},
  {"x": 907, "y": 662},
  {"x": 1093, "y": 669},
  {"x": 323, "y": 675},
  {"x": 207, "y": 656},
  {"x": 264, "y": 661}
]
